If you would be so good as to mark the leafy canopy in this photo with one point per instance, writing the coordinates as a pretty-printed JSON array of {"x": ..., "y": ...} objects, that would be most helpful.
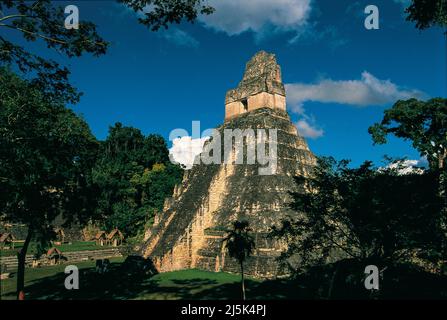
[
  {"x": 162, "y": 13},
  {"x": 134, "y": 176},
  {"x": 428, "y": 13},
  {"x": 366, "y": 214},
  {"x": 44, "y": 20},
  {"x": 423, "y": 123},
  {"x": 45, "y": 153}
]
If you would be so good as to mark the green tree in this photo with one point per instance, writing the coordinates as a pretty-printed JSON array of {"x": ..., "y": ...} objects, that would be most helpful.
[
  {"x": 240, "y": 245},
  {"x": 134, "y": 177},
  {"x": 45, "y": 153},
  {"x": 42, "y": 20},
  {"x": 165, "y": 12},
  {"x": 366, "y": 215},
  {"x": 424, "y": 123},
  {"x": 48, "y": 87},
  {"x": 428, "y": 13}
]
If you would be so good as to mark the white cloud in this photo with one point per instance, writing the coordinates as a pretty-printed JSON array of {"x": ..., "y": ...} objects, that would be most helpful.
[
  {"x": 235, "y": 16},
  {"x": 298, "y": 109},
  {"x": 408, "y": 166},
  {"x": 185, "y": 149},
  {"x": 367, "y": 91},
  {"x": 308, "y": 130}
]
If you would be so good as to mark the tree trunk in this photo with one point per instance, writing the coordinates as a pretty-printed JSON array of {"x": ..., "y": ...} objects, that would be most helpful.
[
  {"x": 243, "y": 284},
  {"x": 21, "y": 257},
  {"x": 442, "y": 193}
]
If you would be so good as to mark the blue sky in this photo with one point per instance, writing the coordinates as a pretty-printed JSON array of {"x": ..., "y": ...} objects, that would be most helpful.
[{"x": 340, "y": 76}]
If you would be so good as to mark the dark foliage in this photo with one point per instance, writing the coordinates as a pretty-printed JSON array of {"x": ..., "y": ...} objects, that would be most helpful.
[
  {"x": 428, "y": 13},
  {"x": 44, "y": 21},
  {"x": 134, "y": 176},
  {"x": 376, "y": 216},
  {"x": 240, "y": 245},
  {"x": 162, "y": 13},
  {"x": 46, "y": 151},
  {"x": 424, "y": 123}
]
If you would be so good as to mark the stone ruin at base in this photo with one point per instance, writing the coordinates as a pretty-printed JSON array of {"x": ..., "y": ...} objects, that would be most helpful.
[{"x": 189, "y": 232}]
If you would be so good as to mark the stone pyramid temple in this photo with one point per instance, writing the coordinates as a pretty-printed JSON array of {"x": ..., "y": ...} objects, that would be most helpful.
[{"x": 189, "y": 232}]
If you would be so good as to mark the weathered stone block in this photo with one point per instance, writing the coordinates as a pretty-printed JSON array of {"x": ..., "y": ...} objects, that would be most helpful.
[{"x": 261, "y": 87}]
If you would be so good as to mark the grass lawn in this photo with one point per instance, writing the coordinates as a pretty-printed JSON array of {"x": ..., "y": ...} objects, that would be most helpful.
[
  {"x": 192, "y": 284},
  {"x": 35, "y": 276},
  {"x": 48, "y": 283},
  {"x": 75, "y": 246}
]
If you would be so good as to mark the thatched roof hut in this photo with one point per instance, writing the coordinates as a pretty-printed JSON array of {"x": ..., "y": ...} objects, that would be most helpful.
[
  {"x": 115, "y": 237},
  {"x": 101, "y": 238},
  {"x": 7, "y": 240},
  {"x": 101, "y": 235}
]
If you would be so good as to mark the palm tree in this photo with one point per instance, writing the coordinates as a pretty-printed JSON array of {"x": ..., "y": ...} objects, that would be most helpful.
[{"x": 240, "y": 245}]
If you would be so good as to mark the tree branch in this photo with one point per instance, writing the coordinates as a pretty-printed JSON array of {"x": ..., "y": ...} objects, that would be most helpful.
[
  {"x": 340, "y": 246},
  {"x": 33, "y": 33},
  {"x": 44, "y": 37},
  {"x": 13, "y": 16}
]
